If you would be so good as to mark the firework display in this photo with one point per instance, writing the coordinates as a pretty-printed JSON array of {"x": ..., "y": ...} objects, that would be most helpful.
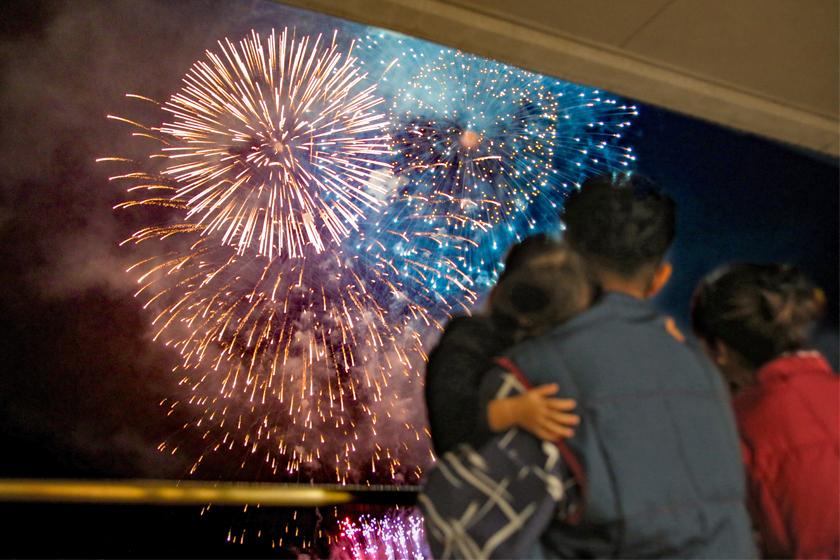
[
  {"x": 395, "y": 535},
  {"x": 274, "y": 144},
  {"x": 315, "y": 214},
  {"x": 281, "y": 355},
  {"x": 287, "y": 357},
  {"x": 484, "y": 153}
]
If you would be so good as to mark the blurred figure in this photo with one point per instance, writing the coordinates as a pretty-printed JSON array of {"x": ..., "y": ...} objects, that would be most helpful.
[
  {"x": 754, "y": 321},
  {"x": 657, "y": 438},
  {"x": 542, "y": 292},
  {"x": 466, "y": 350},
  {"x": 494, "y": 496}
]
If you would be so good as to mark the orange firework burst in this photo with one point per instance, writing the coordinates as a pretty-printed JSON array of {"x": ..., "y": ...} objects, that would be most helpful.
[
  {"x": 294, "y": 354},
  {"x": 290, "y": 361},
  {"x": 274, "y": 143}
]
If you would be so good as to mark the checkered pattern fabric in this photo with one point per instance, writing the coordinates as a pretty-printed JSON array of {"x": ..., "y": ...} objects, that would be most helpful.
[{"x": 497, "y": 501}]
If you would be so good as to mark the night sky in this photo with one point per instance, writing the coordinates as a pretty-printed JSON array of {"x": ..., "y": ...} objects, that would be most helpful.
[{"x": 81, "y": 378}]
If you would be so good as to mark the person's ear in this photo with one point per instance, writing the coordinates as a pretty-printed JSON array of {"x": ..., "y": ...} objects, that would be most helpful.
[
  {"x": 721, "y": 354},
  {"x": 660, "y": 278},
  {"x": 716, "y": 350}
]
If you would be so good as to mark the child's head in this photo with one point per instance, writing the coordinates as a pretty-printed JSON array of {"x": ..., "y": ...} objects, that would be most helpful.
[
  {"x": 622, "y": 225},
  {"x": 520, "y": 253},
  {"x": 547, "y": 289},
  {"x": 749, "y": 314}
]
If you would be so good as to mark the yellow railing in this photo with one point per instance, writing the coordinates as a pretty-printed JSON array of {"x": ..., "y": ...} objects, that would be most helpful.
[{"x": 175, "y": 492}]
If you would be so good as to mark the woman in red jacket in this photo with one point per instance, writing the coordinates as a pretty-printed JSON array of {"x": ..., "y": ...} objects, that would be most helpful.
[{"x": 754, "y": 321}]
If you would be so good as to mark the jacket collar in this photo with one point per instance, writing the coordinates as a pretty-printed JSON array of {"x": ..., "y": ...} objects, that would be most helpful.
[
  {"x": 786, "y": 365},
  {"x": 610, "y": 306}
]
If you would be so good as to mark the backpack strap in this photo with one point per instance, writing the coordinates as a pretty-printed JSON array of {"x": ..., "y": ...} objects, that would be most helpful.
[
  {"x": 509, "y": 366},
  {"x": 568, "y": 455}
]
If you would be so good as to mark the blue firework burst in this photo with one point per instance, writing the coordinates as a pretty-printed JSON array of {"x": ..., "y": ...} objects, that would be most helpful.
[{"x": 484, "y": 155}]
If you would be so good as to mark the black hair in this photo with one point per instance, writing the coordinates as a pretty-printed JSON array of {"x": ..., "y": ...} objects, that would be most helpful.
[
  {"x": 759, "y": 310},
  {"x": 620, "y": 222},
  {"x": 520, "y": 253},
  {"x": 545, "y": 291}
]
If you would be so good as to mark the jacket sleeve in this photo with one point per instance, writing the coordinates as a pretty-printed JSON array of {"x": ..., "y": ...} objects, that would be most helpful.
[
  {"x": 774, "y": 540},
  {"x": 453, "y": 374}
]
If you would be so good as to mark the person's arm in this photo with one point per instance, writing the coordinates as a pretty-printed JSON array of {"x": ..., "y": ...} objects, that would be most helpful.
[
  {"x": 535, "y": 411},
  {"x": 774, "y": 537},
  {"x": 568, "y": 468},
  {"x": 453, "y": 374}
]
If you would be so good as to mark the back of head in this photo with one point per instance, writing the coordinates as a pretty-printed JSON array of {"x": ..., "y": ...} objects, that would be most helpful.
[
  {"x": 521, "y": 253},
  {"x": 759, "y": 310},
  {"x": 621, "y": 222},
  {"x": 547, "y": 290}
]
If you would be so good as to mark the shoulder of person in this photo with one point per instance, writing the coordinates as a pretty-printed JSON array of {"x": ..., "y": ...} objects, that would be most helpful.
[
  {"x": 464, "y": 336},
  {"x": 619, "y": 311},
  {"x": 468, "y": 325},
  {"x": 530, "y": 346}
]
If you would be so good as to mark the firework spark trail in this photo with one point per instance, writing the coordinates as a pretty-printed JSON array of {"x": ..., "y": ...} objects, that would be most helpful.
[
  {"x": 286, "y": 353},
  {"x": 397, "y": 535},
  {"x": 281, "y": 355},
  {"x": 274, "y": 144},
  {"x": 484, "y": 155},
  {"x": 288, "y": 360}
]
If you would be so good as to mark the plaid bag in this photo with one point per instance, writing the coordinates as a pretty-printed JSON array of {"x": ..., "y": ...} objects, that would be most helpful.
[{"x": 496, "y": 502}]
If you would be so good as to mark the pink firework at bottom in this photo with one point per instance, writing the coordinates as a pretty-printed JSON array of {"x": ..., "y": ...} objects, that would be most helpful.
[{"x": 396, "y": 535}]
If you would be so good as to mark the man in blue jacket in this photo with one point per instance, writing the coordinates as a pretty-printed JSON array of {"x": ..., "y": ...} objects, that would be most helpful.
[{"x": 657, "y": 440}]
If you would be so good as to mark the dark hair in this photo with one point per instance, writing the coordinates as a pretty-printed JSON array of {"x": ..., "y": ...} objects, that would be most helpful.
[
  {"x": 520, "y": 253},
  {"x": 759, "y": 310},
  {"x": 547, "y": 290},
  {"x": 620, "y": 222}
]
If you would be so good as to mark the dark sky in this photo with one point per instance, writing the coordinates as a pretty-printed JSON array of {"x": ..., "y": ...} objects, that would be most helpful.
[
  {"x": 80, "y": 378},
  {"x": 741, "y": 198}
]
